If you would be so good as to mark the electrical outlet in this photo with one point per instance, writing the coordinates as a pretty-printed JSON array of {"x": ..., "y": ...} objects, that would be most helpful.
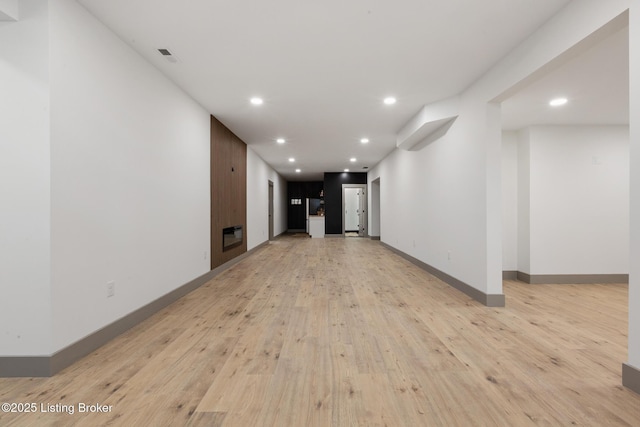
[
  {"x": 205, "y": 255},
  {"x": 449, "y": 255},
  {"x": 111, "y": 289}
]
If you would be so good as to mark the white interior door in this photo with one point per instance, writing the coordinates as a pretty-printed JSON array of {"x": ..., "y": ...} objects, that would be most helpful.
[{"x": 351, "y": 209}]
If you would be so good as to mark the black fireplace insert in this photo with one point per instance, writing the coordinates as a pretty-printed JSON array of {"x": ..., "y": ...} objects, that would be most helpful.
[{"x": 231, "y": 237}]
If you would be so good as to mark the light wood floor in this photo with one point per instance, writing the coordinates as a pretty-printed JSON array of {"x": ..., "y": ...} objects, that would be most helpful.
[{"x": 342, "y": 332}]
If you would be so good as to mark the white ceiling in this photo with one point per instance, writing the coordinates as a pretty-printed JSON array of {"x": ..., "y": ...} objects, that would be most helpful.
[
  {"x": 596, "y": 84},
  {"x": 323, "y": 68}
]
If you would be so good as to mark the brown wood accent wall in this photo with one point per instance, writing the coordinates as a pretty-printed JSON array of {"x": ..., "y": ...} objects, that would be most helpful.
[{"x": 228, "y": 190}]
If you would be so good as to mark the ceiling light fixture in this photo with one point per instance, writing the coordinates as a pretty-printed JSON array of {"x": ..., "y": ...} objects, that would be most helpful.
[
  {"x": 558, "y": 102},
  {"x": 353, "y": 159},
  {"x": 298, "y": 171},
  {"x": 291, "y": 159},
  {"x": 346, "y": 170},
  {"x": 390, "y": 100},
  {"x": 257, "y": 101},
  {"x": 364, "y": 140},
  {"x": 280, "y": 140}
]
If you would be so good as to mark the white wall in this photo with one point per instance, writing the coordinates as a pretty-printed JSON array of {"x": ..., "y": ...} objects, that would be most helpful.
[
  {"x": 258, "y": 176},
  {"x": 433, "y": 201},
  {"x": 9, "y": 10},
  {"x": 573, "y": 199},
  {"x": 25, "y": 315},
  {"x": 579, "y": 200},
  {"x": 634, "y": 114},
  {"x": 129, "y": 178},
  {"x": 509, "y": 201}
]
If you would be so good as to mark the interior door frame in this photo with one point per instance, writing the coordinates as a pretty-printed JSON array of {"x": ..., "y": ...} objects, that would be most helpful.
[
  {"x": 363, "y": 227},
  {"x": 271, "y": 232}
]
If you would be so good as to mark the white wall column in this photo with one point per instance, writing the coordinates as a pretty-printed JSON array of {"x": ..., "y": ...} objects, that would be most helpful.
[
  {"x": 493, "y": 141},
  {"x": 631, "y": 371}
]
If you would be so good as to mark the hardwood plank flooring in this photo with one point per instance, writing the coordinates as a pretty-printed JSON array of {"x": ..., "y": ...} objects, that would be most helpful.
[{"x": 343, "y": 332}]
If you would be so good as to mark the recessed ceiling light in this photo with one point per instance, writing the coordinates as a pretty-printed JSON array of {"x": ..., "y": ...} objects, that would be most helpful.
[
  {"x": 353, "y": 159},
  {"x": 390, "y": 100},
  {"x": 257, "y": 101},
  {"x": 280, "y": 140},
  {"x": 291, "y": 159},
  {"x": 364, "y": 140},
  {"x": 346, "y": 170},
  {"x": 558, "y": 102},
  {"x": 298, "y": 170}
]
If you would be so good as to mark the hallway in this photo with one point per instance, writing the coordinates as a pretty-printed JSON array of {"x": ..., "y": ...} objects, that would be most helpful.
[{"x": 342, "y": 332}]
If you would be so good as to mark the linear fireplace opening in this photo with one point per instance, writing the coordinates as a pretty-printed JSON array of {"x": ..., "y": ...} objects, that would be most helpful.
[{"x": 231, "y": 237}]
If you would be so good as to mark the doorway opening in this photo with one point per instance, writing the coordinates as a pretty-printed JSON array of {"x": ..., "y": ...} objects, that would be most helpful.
[
  {"x": 557, "y": 169},
  {"x": 354, "y": 210}
]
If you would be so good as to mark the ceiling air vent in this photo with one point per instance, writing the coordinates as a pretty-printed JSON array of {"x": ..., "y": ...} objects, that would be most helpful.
[{"x": 167, "y": 54}]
